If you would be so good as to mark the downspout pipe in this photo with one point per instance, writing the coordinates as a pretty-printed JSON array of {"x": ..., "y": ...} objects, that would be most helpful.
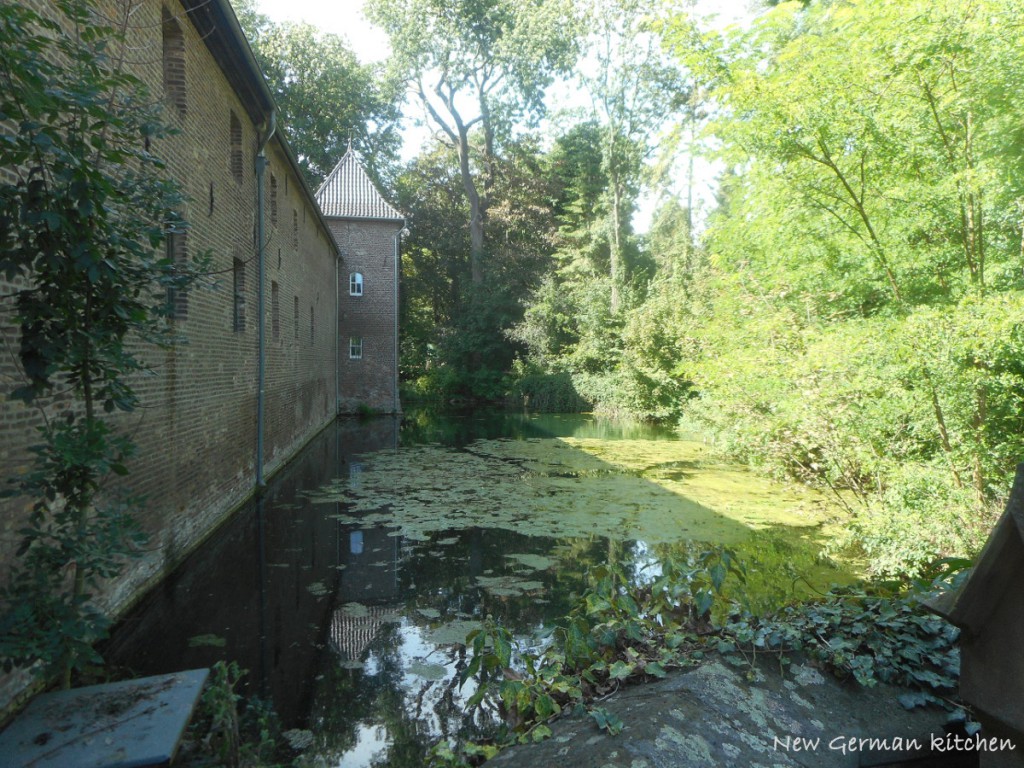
[
  {"x": 337, "y": 333},
  {"x": 397, "y": 406},
  {"x": 261, "y": 320}
]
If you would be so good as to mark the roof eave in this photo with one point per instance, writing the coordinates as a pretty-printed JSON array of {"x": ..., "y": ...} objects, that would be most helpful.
[
  {"x": 379, "y": 219},
  {"x": 217, "y": 24}
]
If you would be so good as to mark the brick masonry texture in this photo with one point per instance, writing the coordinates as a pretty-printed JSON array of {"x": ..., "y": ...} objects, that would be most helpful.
[
  {"x": 196, "y": 429},
  {"x": 367, "y": 248}
]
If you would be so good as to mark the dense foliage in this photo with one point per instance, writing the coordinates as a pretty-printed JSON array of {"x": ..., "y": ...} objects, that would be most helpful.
[
  {"x": 859, "y": 320},
  {"x": 83, "y": 220},
  {"x": 848, "y": 314},
  {"x": 327, "y": 100}
]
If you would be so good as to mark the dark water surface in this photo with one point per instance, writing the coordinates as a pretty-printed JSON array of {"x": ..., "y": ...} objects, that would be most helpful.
[{"x": 347, "y": 591}]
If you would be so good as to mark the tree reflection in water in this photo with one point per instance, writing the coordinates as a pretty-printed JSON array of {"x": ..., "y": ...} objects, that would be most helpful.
[{"x": 376, "y": 551}]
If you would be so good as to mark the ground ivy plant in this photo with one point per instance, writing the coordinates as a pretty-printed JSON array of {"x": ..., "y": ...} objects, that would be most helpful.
[{"x": 621, "y": 633}]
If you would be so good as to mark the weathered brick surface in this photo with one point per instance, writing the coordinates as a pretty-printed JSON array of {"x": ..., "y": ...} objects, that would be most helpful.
[
  {"x": 369, "y": 248},
  {"x": 196, "y": 429}
]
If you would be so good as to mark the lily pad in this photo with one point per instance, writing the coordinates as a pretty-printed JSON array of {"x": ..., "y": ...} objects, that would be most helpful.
[
  {"x": 318, "y": 589},
  {"x": 428, "y": 671},
  {"x": 207, "y": 641},
  {"x": 508, "y": 585},
  {"x": 452, "y": 633},
  {"x": 355, "y": 610},
  {"x": 534, "y": 562}
]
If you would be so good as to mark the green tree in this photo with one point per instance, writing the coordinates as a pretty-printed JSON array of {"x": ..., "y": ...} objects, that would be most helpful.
[
  {"x": 860, "y": 309},
  {"x": 326, "y": 98},
  {"x": 478, "y": 64},
  {"x": 435, "y": 257},
  {"x": 456, "y": 331},
  {"x": 634, "y": 87},
  {"x": 84, "y": 213}
]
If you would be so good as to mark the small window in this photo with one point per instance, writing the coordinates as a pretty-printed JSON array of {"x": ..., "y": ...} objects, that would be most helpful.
[
  {"x": 355, "y": 284},
  {"x": 238, "y": 321},
  {"x": 273, "y": 200},
  {"x": 296, "y": 318},
  {"x": 236, "y": 147},
  {"x": 355, "y": 348},
  {"x": 174, "y": 63},
  {"x": 295, "y": 228},
  {"x": 177, "y": 254},
  {"x": 275, "y": 310}
]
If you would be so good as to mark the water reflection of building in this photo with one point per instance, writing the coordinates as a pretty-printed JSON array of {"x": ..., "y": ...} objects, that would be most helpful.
[
  {"x": 368, "y": 589},
  {"x": 259, "y": 592}
]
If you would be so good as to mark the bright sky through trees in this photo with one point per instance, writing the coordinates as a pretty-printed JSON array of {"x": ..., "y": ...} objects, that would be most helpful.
[
  {"x": 370, "y": 44},
  {"x": 346, "y": 18}
]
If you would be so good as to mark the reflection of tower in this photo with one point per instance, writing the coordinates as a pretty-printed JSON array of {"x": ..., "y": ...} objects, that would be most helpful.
[{"x": 368, "y": 588}]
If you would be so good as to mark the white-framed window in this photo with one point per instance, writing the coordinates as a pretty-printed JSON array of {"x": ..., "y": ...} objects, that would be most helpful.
[
  {"x": 355, "y": 348},
  {"x": 355, "y": 284}
]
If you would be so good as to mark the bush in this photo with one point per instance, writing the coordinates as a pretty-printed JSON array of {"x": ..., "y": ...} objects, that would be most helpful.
[
  {"x": 920, "y": 513},
  {"x": 547, "y": 393}
]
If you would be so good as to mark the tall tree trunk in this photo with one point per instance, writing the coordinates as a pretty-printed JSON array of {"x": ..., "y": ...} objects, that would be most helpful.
[
  {"x": 459, "y": 137},
  {"x": 476, "y": 213},
  {"x": 980, "y": 416},
  {"x": 940, "y": 421},
  {"x": 615, "y": 248}
]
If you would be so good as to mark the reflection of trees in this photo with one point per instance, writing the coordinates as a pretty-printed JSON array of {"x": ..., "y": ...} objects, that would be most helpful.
[
  {"x": 449, "y": 586},
  {"x": 347, "y": 697},
  {"x": 423, "y": 425},
  {"x": 411, "y": 718},
  {"x": 336, "y": 710},
  {"x": 782, "y": 564},
  {"x": 426, "y": 426}
]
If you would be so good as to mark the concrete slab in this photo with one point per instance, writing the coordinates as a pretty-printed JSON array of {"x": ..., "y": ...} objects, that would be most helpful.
[
  {"x": 131, "y": 724},
  {"x": 720, "y": 715}
]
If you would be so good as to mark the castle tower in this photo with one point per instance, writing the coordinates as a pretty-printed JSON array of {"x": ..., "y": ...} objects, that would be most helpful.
[{"x": 367, "y": 230}]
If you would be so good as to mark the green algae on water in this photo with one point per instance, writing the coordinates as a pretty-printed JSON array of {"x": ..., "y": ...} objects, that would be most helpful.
[{"x": 656, "y": 491}]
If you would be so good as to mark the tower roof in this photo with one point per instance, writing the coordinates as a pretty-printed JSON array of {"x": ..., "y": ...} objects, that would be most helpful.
[{"x": 348, "y": 193}]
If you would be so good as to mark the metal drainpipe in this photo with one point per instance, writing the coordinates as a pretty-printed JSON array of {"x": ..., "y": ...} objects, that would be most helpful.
[
  {"x": 261, "y": 332},
  {"x": 398, "y": 240},
  {"x": 337, "y": 332}
]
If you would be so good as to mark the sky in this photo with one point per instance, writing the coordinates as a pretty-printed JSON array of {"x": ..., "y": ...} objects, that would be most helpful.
[{"x": 345, "y": 18}]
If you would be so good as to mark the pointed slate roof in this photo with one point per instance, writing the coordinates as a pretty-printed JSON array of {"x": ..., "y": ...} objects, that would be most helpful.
[{"x": 348, "y": 193}]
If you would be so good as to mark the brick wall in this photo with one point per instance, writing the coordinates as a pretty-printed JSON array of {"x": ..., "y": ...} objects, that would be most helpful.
[
  {"x": 196, "y": 429},
  {"x": 367, "y": 248}
]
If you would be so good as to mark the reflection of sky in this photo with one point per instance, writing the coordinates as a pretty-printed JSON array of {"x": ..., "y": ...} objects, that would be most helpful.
[
  {"x": 372, "y": 744},
  {"x": 421, "y": 695}
]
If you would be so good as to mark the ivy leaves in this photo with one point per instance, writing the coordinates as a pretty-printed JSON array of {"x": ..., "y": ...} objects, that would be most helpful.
[
  {"x": 83, "y": 212},
  {"x": 620, "y": 632}
]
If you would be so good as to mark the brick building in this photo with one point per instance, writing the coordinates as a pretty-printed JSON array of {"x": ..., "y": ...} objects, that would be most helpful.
[
  {"x": 207, "y": 432},
  {"x": 368, "y": 232}
]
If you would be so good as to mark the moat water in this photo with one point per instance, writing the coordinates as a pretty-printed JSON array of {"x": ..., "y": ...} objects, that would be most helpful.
[{"x": 348, "y": 591}]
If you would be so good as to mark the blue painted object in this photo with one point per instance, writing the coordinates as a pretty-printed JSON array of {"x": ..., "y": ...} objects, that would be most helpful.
[{"x": 130, "y": 724}]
